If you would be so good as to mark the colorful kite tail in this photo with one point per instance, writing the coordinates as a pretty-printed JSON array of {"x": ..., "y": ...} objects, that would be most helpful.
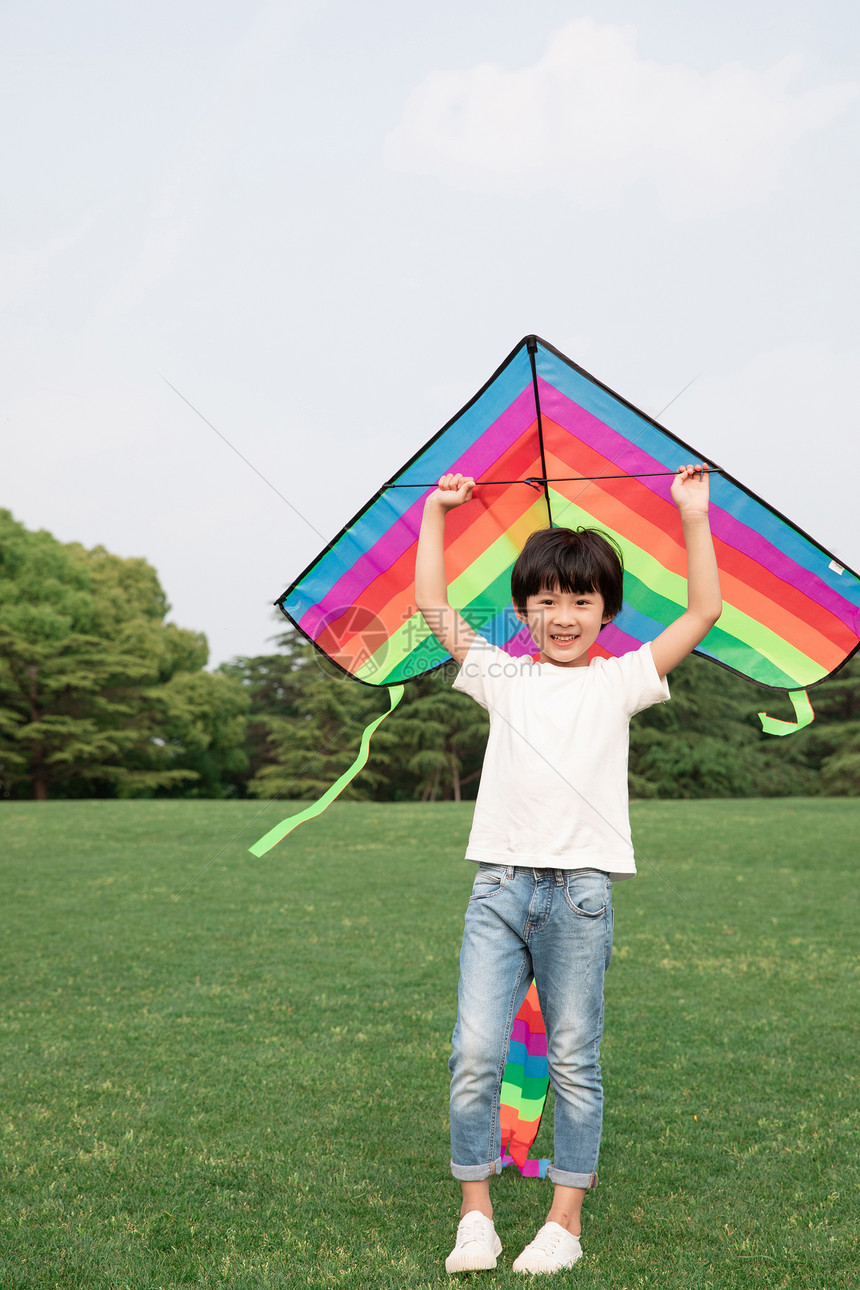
[{"x": 524, "y": 1087}]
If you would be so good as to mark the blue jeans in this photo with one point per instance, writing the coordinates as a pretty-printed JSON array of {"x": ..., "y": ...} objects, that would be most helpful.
[{"x": 555, "y": 926}]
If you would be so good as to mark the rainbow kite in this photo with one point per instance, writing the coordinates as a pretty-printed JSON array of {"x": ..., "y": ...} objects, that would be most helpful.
[{"x": 550, "y": 445}]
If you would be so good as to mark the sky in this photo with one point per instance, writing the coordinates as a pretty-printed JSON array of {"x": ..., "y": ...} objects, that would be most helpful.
[{"x": 319, "y": 227}]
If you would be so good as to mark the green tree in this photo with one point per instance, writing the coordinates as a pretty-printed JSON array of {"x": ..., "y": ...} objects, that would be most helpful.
[
  {"x": 98, "y": 695},
  {"x": 832, "y": 742},
  {"x": 272, "y": 685},
  {"x": 306, "y": 720},
  {"x": 708, "y": 741},
  {"x": 312, "y": 726},
  {"x": 440, "y": 736}
]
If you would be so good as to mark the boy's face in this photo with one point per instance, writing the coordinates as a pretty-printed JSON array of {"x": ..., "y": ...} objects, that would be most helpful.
[{"x": 564, "y": 625}]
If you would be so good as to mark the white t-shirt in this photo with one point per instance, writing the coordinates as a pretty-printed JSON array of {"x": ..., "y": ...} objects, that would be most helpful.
[{"x": 553, "y": 792}]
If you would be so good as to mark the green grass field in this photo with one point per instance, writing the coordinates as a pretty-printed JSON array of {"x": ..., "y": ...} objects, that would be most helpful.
[{"x": 247, "y": 1085}]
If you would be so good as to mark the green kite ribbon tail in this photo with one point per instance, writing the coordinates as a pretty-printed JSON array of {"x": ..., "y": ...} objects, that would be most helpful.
[
  {"x": 803, "y": 712},
  {"x": 316, "y": 808}
]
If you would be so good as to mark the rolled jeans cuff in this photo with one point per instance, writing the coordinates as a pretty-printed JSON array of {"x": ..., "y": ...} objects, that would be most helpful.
[
  {"x": 476, "y": 1173},
  {"x": 566, "y": 1179}
]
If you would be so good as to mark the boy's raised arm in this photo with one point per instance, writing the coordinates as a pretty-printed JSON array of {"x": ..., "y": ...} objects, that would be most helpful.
[
  {"x": 431, "y": 584},
  {"x": 704, "y": 601}
]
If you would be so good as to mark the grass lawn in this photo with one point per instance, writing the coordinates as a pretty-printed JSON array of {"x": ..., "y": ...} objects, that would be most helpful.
[{"x": 247, "y": 1086}]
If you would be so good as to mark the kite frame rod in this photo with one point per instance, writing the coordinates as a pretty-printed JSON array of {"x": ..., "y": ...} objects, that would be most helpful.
[{"x": 534, "y": 480}]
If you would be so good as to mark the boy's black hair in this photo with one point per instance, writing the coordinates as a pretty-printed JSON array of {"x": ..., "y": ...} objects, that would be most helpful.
[{"x": 570, "y": 560}]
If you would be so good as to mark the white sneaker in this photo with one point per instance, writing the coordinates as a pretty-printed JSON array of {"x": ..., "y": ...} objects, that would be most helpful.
[
  {"x": 477, "y": 1245},
  {"x": 552, "y": 1249}
]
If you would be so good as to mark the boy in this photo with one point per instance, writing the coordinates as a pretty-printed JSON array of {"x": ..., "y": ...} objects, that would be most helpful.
[{"x": 550, "y": 833}]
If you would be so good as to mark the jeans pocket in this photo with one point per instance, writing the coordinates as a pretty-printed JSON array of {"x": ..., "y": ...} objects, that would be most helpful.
[
  {"x": 588, "y": 894},
  {"x": 488, "y": 881}
]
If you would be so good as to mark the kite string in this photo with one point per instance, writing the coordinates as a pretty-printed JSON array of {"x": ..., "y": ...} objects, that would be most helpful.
[{"x": 242, "y": 457}]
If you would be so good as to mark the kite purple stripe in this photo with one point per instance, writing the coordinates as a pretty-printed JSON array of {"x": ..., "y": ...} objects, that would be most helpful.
[
  {"x": 399, "y": 536},
  {"x": 535, "y": 1044},
  {"x": 531, "y": 1168},
  {"x": 616, "y": 641},
  {"x": 600, "y": 437},
  {"x": 520, "y": 645}
]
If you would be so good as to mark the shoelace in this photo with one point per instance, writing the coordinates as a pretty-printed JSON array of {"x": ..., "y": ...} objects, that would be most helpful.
[
  {"x": 473, "y": 1231},
  {"x": 546, "y": 1242}
]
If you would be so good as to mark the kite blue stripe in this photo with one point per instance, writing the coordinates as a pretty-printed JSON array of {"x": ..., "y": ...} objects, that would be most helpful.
[{"x": 533, "y": 1065}]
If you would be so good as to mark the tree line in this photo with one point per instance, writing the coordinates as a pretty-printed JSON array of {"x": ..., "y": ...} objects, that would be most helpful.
[{"x": 100, "y": 696}]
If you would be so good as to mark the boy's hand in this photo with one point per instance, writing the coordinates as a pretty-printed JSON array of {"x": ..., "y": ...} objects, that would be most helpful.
[
  {"x": 451, "y": 491},
  {"x": 704, "y": 603},
  {"x": 690, "y": 491},
  {"x": 431, "y": 584}
]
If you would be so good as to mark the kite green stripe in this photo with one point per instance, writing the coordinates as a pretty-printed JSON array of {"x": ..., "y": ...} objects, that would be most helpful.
[
  {"x": 791, "y": 664},
  {"x": 484, "y": 607},
  {"x": 484, "y": 571},
  {"x": 474, "y": 590},
  {"x": 528, "y": 1108},
  {"x": 316, "y": 808},
  {"x": 531, "y": 1087},
  {"x": 728, "y": 647},
  {"x": 389, "y": 663},
  {"x": 426, "y": 652},
  {"x": 731, "y": 650}
]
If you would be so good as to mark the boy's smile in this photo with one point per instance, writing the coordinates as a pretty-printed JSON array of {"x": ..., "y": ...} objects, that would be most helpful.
[{"x": 564, "y": 625}]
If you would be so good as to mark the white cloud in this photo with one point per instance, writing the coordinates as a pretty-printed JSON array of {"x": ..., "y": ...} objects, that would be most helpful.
[{"x": 591, "y": 118}]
